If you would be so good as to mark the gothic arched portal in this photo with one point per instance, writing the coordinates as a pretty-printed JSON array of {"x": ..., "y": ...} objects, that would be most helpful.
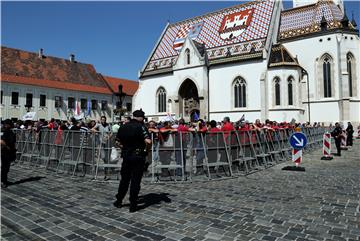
[{"x": 189, "y": 102}]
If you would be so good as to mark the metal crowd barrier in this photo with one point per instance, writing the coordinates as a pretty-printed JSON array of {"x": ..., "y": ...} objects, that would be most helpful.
[
  {"x": 183, "y": 156},
  {"x": 169, "y": 157}
]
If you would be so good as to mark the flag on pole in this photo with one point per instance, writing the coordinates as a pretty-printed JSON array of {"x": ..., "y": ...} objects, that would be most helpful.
[
  {"x": 242, "y": 119},
  {"x": 168, "y": 117},
  {"x": 88, "y": 107},
  {"x": 29, "y": 116},
  {"x": 196, "y": 117},
  {"x": 77, "y": 110}
]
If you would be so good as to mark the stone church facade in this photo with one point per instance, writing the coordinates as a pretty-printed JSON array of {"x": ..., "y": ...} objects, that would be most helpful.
[{"x": 259, "y": 60}]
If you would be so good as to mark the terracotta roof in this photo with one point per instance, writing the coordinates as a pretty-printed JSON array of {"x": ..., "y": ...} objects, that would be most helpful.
[
  {"x": 129, "y": 86},
  {"x": 306, "y": 19},
  {"x": 238, "y": 29},
  {"x": 22, "y": 67},
  {"x": 29, "y": 65},
  {"x": 53, "y": 84}
]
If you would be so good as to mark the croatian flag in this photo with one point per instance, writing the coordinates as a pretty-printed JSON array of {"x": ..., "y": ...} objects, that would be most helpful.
[
  {"x": 187, "y": 30},
  {"x": 77, "y": 110},
  {"x": 88, "y": 107}
]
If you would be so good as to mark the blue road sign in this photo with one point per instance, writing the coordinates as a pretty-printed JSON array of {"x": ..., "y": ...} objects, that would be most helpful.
[{"x": 298, "y": 140}]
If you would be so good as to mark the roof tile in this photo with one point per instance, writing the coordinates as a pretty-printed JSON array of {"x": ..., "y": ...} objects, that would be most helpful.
[
  {"x": 129, "y": 86},
  {"x": 54, "y": 84},
  {"x": 22, "y": 67}
]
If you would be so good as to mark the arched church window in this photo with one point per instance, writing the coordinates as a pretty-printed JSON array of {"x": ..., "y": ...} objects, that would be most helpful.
[
  {"x": 161, "y": 95},
  {"x": 240, "y": 92},
  {"x": 277, "y": 90},
  {"x": 327, "y": 76},
  {"x": 350, "y": 63},
  {"x": 187, "y": 53},
  {"x": 290, "y": 90}
]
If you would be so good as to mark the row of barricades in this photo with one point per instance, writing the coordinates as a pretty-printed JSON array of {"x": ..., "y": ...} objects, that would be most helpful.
[
  {"x": 67, "y": 151},
  {"x": 176, "y": 156},
  {"x": 327, "y": 144}
]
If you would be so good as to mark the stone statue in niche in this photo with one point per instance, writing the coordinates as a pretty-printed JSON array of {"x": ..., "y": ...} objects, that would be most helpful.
[{"x": 189, "y": 105}]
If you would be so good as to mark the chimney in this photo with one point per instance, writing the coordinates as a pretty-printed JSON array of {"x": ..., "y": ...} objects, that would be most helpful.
[
  {"x": 72, "y": 58},
  {"x": 41, "y": 53}
]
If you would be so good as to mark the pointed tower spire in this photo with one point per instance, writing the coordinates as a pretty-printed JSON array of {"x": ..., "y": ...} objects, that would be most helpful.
[
  {"x": 345, "y": 20},
  {"x": 353, "y": 21}
]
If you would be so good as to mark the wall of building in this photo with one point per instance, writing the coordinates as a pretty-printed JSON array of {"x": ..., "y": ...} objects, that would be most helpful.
[
  {"x": 145, "y": 97},
  {"x": 285, "y": 111},
  {"x": 195, "y": 71},
  {"x": 49, "y": 111},
  {"x": 309, "y": 51},
  {"x": 221, "y": 89}
]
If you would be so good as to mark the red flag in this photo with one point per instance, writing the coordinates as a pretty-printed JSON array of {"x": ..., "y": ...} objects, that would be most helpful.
[{"x": 77, "y": 111}]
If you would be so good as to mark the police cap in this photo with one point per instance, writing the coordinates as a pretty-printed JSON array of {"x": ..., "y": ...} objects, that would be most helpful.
[{"x": 139, "y": 113}]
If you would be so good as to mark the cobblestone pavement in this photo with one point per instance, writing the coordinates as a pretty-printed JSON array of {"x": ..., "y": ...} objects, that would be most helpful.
[{"x": 319, "y": 204}]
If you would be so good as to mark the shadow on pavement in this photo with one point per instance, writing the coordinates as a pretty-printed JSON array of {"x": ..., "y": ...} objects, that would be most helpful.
[
  {"x": 29, "y": 179},
  {"x": 152, "y": 199}
]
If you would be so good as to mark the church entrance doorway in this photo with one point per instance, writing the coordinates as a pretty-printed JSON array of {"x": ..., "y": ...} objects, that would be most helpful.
[{"x": 189, "y": 103}]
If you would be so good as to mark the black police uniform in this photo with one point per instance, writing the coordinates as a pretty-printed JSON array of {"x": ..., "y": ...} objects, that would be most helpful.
[
  {"x": 8, "y": 154},
  {"x": 132, "y": 136},
  {"x": 337, "y": 133}
]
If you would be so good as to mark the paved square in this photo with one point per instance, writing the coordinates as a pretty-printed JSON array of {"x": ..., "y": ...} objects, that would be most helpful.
[{"x": 319, "y": 204}]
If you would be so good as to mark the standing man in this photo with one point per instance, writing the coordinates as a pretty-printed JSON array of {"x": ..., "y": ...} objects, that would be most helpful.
[
  {"x": 349, "y": 133},
  {"x": 227, "y": 128},
  {"x": 134, "y": 139},
  {"x": 104, "y": 130},
  {"x": 8, "y": 151},
  {"x": 337, "y": 133}
]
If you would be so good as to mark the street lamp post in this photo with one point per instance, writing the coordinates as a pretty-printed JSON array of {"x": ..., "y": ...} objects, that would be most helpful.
[
  {"x": 304, "y": 72},
  {"x": 121, "y": 95}
]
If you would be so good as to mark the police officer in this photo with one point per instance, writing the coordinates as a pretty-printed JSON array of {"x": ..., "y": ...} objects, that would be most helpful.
[
  {"x": 8, "y": 150},
  {"x": 133, "y": 137},
  {"x": 337, "y": 133}
]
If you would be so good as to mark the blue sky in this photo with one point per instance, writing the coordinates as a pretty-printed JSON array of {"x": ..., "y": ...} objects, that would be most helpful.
[{"x": 116, "y": 37}]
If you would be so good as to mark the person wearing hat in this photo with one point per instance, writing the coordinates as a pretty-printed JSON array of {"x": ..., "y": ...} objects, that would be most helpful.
[
  {"x": 133, "y": 138},
  {"x": 8, "y": 151}
]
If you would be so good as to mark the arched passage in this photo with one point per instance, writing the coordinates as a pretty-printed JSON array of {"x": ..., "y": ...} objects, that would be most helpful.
[{"x": 189, "y": 103}]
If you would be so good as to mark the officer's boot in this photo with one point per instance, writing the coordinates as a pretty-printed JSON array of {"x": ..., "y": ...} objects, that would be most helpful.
[{"x": 133, "y": 207}]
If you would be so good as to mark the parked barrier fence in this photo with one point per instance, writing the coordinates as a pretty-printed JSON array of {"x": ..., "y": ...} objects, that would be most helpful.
[{"x": 179, "y": 156}]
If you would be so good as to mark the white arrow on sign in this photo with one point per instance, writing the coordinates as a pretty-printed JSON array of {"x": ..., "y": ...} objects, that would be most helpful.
[{"x": 299, "y": 143}]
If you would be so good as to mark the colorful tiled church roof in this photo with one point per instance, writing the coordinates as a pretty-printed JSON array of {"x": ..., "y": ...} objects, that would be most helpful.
[
  {"x": 307, "y": 19},
  {"x": 240, "y": 29}
]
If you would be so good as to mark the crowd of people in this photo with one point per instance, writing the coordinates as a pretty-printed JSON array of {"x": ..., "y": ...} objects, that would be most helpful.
[
  {"x": 133, "y": 137},
  {"x": 173, "y": 125}
]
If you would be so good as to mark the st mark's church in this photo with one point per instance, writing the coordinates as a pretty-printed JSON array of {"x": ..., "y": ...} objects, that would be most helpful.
[{"x": 259, "y": 60}]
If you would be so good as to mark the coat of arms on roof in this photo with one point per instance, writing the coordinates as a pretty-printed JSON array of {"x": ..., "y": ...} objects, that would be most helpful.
[
  {"x": 234, "y": 24},
  {"x": 191, "y": 30}
]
